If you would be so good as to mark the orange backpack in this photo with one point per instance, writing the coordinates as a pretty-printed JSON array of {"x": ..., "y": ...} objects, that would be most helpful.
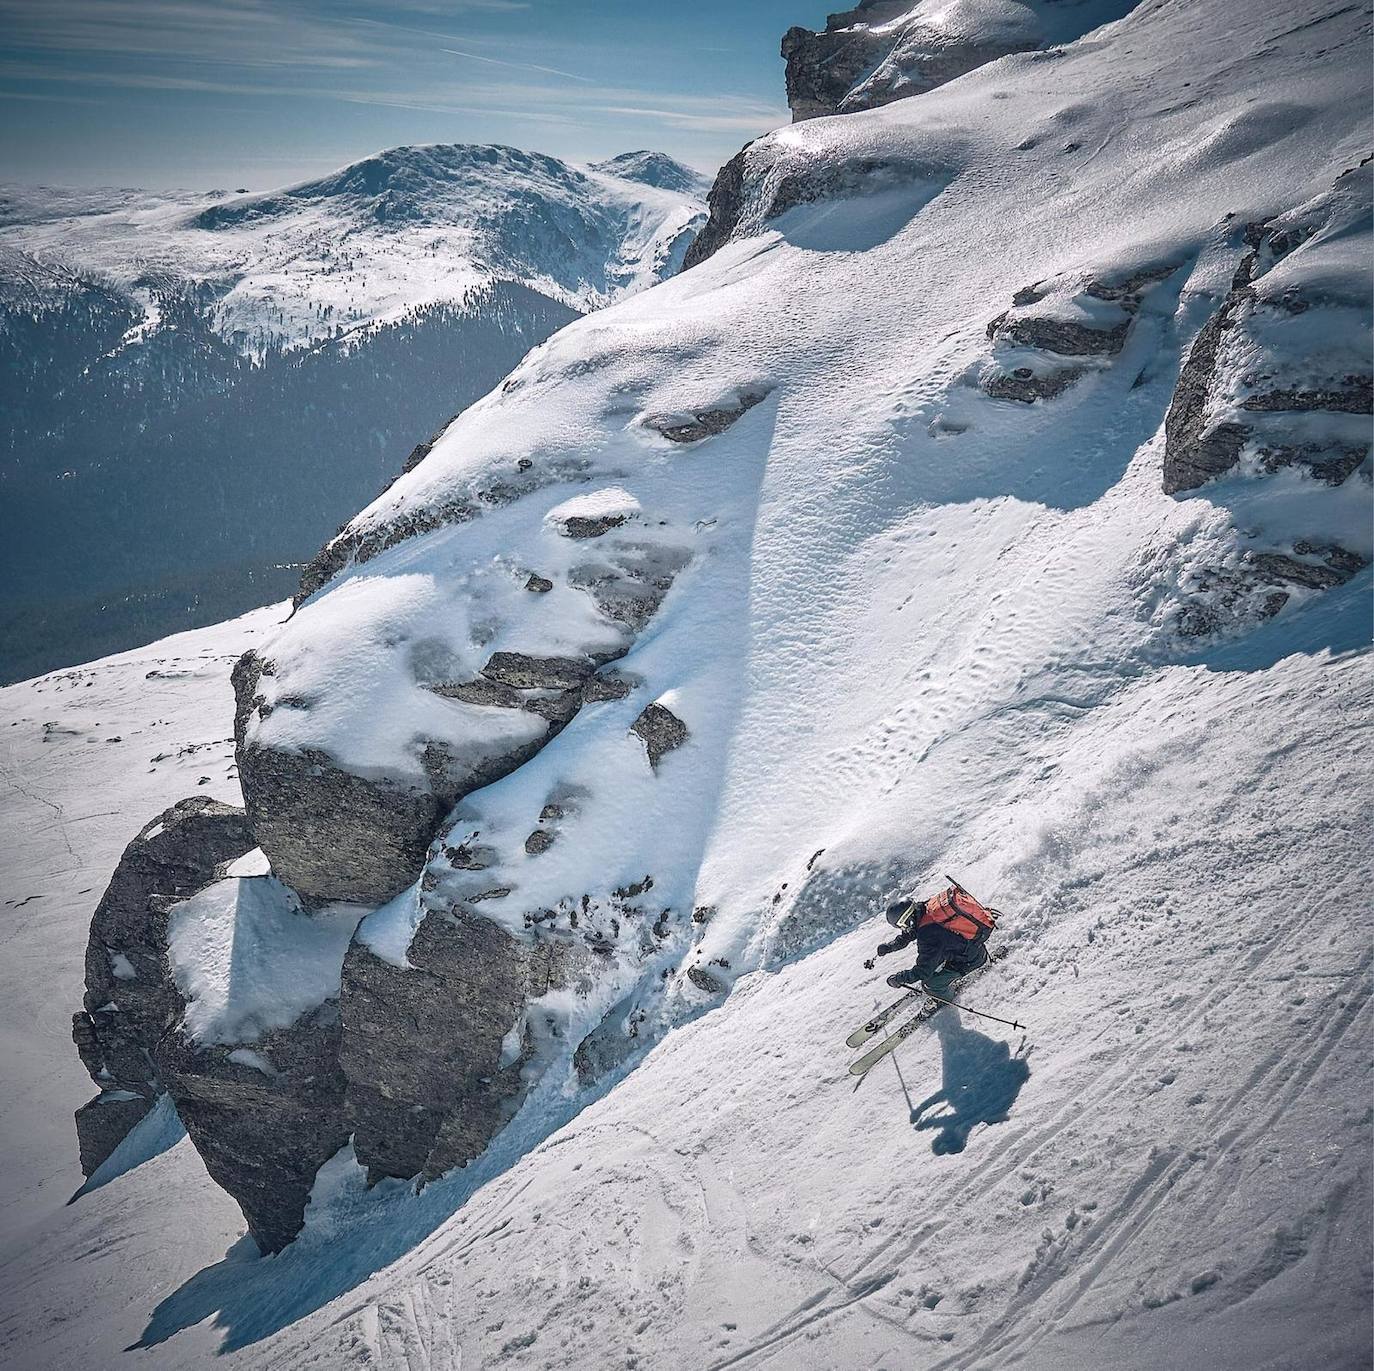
[{"x": 958, "y": 911}]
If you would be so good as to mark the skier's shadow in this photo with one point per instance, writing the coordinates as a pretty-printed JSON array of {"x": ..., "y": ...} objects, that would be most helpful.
[{"x": 982, "y": 1078}]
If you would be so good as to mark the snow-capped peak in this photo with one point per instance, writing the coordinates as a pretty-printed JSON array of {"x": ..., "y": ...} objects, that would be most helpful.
[{"x": 654, "y": 169}]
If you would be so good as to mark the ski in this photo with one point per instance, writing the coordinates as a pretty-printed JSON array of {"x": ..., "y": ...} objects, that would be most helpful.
[
  {"x": 895, "y": 1039},
  {"x": 881, "y": 1019},
  {"x": 900, "y": 1035}
]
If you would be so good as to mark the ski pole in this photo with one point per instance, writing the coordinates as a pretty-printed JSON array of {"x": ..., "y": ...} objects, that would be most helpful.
[{"x": 1011, "y": 1022}]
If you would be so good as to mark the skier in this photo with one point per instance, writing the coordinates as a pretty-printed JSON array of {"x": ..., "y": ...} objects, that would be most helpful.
[{"x": 950, "y": 931}]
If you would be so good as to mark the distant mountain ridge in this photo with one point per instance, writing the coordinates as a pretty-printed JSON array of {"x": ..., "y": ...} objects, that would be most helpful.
[{"x": 184, "y": 377}]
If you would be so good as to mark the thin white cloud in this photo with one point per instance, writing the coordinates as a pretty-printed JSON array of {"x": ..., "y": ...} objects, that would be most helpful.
[{"x": 519, "y": 66}]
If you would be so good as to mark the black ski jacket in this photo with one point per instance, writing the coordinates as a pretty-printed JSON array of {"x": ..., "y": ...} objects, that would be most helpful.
[{"x": 936, "y": 945}]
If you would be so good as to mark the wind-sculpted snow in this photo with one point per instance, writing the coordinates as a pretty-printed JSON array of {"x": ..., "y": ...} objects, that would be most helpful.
[{"x": 747, "y": 670}]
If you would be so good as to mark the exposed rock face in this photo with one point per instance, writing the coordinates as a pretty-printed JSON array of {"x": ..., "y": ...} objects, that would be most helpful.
[
  {"x": 1263, "y": 390},
  {"x": 1085, "y": 319},
  {"x": 263, "y": 1119},
  {"x": 456, "y": 1008},
  {"x": 130, "y": 1000},
  {"x": 706, "y": 422},
  {"x": 661, "y": 730},
  {"x": 332, "y": 835},
  {"x": 724, "y": 206},
  {"x": 885, "y": 50},
  {"x": 340, "y": 828},
  {"x": 1259, "y": 584},
  {"x": 767, "y": 177},
  {"x": 1233, "y": 397},
  {"x": 363, "y": 539}
]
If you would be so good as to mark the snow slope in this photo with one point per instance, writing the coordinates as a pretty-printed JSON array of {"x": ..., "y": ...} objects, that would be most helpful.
[
  {"x": 923, "y": 630},
  {"x": 80, "y": 750}
]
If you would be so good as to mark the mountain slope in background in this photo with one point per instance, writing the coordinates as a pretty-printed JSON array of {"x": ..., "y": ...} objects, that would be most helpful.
[
  {"x": 198, "y": 390},
  {"x": 993, "y": 498}
]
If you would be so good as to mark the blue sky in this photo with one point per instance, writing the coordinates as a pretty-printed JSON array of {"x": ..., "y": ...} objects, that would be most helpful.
[{"x": 258, "y": 93}]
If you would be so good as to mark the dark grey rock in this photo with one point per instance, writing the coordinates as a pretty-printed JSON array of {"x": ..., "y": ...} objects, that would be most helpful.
[
  {"x": 590, "y": 526},
  {"x": 607, "y": 685},
  {"x": 1027, "y": 385},
  {"x": 130, "y": 999},
  {"x": 1262, "y": 584},
  {"x": 540, "y": 585},
  {"x": 611, "y": 1043},
  {"x": 264, "y": 1134},
  {"x": 1064, "y": 337},
  {"x": 630, "y": 581},
  {"x": 1195, "y": 453},
  {"x": 1354, "y": 395},
  {"x": 354, "y": 546},
  {"x": 1332, "y": 464},
  {"x": 703, "y": 980},
  {"x": 482, "y": 692},
  {"x": 422, "y": 450},
  {"x": 661, "y": 731},
  {"x": 706, "y": 422},
  {"x": 863, "y": 59},
  {"x": 104, "y": 1122},
  {"x": 331, "y": 835},
  {"x": 725, "y": 204},
  {"x": 1198, "y": 451},
  {"x": 525, "y": 672},
  {"x": 422, "y": 1046},
  {"x": 539, "y": 841}
]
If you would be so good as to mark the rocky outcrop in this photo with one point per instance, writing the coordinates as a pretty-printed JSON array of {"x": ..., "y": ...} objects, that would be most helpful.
[
  {"x": 1278, "y": 378},
  {"x": 661, "y": 731},
  {"x": 724, "y": 204},
  {"x": 358, "y": 542},
  {"x": 695, "y": 425},
  {"x": 1059, "y": 330},
  {"x": 342, "y": 828},
  {"x": 768, "y": 177},
  {"x": 885, "y": 50},
  {"x": 1257, "y": 585},
  {"x": 1236, "y": 395},
  {"x": 437, "y": 1103},
  {"x": 333, "y": 835},
  {"x": 130, "y": 1000},
  {"x": 264, "y": 1118},
  {"x": 263, "y": 1114}
]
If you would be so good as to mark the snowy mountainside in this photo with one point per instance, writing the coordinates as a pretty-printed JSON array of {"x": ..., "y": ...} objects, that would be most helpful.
[
  {"x": 988, "y": 499},
  {"x": 162, "y": 354},
  {"x": 404, "y": 228}
]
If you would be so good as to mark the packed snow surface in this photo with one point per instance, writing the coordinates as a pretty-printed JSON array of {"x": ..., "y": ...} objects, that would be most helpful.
[
  {"x": 919, "y": 630},
  {"x": 247, "y": 958}
]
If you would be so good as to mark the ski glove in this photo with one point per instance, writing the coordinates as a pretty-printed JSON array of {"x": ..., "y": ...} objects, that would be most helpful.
[{"x": 885, "y": 948}]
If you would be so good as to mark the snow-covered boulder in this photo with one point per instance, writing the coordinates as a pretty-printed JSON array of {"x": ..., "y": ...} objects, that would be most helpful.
[
  {"x": 440, "y": 652},
  {"x": 1271, "y": 414},
  {"x": 130, "y": 999},
  {"x": 1058, "y": 331},
  {"x": 885, "y": 50}
]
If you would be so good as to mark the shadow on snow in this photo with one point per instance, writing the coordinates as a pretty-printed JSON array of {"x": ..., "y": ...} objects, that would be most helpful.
[{"x": 982, "y": 1079}]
